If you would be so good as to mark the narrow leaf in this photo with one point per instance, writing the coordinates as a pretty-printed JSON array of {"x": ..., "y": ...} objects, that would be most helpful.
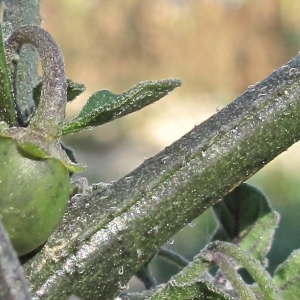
[
  {"x": 287, "y": 276},
  {"x": 104, "y": 106},
  {"x": 245, "y": 218}
]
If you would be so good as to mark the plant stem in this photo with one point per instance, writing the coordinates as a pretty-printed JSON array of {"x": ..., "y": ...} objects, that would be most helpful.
[
  {"x": 17, "y": 13},
  {"x": 49, "y": 116},
  {"x": 13, "y": 284},
  {"x": 258, "y": 273},
  {"x": 146, "y": 278},
  {"x": 7, "y": 104},
  {"x": 173, "y": 257},
  {"x": 126, "y": 222},
  {"x": 232, "y": 275}
]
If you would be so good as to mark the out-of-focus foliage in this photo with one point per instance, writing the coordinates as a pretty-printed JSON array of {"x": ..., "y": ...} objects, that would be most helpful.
[{"x": 212, "y": 44}]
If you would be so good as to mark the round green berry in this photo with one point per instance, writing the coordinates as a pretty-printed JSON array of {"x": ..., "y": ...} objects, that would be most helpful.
[{"x": 33, "y": 196}]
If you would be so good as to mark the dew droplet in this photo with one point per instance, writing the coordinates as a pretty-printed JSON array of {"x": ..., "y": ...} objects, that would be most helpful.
[
  {"x": 293, "y": 71},
  {"x": 191, "y": 224},
  {"x": 121, "y": 270},
  {"x": 128, "y": 178},
  {"x": 123, "y": 286},
  {"x": 164, "y": 160},
  {"x": 234, "y": 130},
  {"x": 139, "y": 253},
  {"x": 171, "y": 241}
]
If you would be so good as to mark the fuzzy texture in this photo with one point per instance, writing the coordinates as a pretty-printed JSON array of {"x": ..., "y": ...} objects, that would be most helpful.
[
  {"x": 17, "y": 13},
  {"x": 48, "y": 119}
]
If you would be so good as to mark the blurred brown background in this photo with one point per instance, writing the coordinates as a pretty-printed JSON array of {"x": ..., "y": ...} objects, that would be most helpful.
[{"x": 216, "y": 47}]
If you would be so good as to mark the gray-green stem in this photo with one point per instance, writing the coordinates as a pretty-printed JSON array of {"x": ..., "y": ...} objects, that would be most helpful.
[
  {"x": 49, "y": 116},
  {"x": 173, "y": 257},
  {"x": 7, "y": 105},
  {"x": 17, "y": 13},
  {"x": 13, "y": 284},
  {"x": 120, "y": 226},
  {"x": 234, "y": 277},
  {"x": 253, "y": 266}
]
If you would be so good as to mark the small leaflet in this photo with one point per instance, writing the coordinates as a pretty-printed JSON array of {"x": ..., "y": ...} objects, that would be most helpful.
[{"x": 104, "y": 106}]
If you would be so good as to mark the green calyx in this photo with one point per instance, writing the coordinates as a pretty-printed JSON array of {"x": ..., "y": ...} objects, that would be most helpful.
[{"x": 38, "y": 147}]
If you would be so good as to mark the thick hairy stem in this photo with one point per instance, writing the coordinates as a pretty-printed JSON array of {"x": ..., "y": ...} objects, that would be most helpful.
[
  {"x": 48, "y": 119},
  {"x": 120, "y": 226}
]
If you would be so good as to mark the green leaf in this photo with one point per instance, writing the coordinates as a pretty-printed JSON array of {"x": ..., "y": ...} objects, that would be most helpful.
[
  {"x": 246, "y": 219},
  {"x": 190, "y": 291},
  {"x": 74, "y": 90},
  {"x": 104, "y": 106},
  {"x": 287, "y": 276}
]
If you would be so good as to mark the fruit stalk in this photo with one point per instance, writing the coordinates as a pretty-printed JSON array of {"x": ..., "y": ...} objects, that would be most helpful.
[{"x": 48, "y": 119}]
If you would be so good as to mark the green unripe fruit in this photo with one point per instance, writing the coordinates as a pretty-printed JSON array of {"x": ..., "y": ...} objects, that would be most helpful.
[{"x": 33, "y": 196}]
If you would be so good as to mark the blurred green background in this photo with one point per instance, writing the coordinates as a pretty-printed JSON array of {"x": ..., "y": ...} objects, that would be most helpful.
[{"x": 217, "y": 48}]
